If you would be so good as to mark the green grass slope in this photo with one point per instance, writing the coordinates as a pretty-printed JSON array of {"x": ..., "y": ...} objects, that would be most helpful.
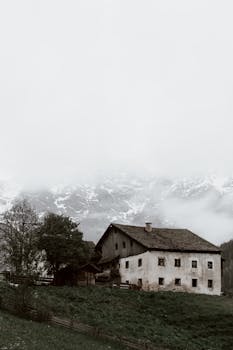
[
  {"x": 175, "y": 320},
  {"x": 21, "y": 334}
]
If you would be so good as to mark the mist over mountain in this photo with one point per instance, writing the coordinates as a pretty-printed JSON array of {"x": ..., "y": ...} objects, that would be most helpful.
[{"x": 204, "y": 205}]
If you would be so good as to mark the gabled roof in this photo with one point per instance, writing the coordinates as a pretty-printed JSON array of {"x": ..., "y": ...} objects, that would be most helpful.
[
  {"x": 90, "y": 268},
  {"x": 165, "y": 239}
]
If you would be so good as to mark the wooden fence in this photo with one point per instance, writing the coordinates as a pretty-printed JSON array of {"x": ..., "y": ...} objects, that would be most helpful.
[
  {"x": 31, "y": 312},
  {"x": 22, "y": 279},
  {"x": 34, "y": 314},
  {"x": 96, "y": 332}
]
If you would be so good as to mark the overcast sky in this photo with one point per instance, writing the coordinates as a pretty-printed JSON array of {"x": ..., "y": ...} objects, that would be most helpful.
[{"x": 91, "y": 88}]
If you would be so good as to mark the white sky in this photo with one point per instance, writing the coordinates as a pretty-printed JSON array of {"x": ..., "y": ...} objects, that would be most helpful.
[{"x": 99, "y": 87}]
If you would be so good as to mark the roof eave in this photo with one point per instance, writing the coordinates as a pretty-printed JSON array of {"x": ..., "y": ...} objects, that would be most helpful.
[{"x": 185, "y": 250}]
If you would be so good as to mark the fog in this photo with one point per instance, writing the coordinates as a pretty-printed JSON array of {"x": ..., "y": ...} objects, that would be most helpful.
[
  {"x": 94, "y": 88},
  {"x": 200, "y": 216}
]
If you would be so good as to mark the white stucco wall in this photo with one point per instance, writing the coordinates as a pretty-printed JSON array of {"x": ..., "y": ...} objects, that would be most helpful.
[{"x": 150, "y": 271}]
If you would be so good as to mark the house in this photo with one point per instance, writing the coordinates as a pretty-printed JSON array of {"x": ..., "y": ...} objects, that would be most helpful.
[{"x": 159, "y": 259}]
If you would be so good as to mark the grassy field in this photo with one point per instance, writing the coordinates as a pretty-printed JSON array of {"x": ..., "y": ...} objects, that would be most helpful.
[
  {"x": 21, "y": 334},
  {"x": 177, "y": 321},
  {"x": 174, "y": 320}
]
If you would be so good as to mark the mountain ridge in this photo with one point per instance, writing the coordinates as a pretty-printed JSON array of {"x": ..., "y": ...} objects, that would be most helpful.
[{"x": 203, "y": 204}]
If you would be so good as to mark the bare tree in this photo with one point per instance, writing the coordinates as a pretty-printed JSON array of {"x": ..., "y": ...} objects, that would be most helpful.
[{"x": 21, "y": 239}]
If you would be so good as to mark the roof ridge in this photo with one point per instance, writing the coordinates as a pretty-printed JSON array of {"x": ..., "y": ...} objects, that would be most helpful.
[{"x": 156, "y": 228}]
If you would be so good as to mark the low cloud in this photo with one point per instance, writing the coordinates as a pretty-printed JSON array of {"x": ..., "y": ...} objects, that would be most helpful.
[{"x": 201, "y": 216}]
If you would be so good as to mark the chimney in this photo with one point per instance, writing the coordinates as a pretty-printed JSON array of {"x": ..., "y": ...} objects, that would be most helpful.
[{"x": 148, "y": 227}]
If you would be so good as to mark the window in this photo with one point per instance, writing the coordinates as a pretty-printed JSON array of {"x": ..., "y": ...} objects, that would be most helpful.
[
  {"x": 161, "y": 281},
  {"x": 116, "y": 246},
  {"x": 210, "y": 283},
  {"x": 194, "y": 264},
  {"x": 210, "y": 264},
  {"x": 124, "y": 244},
  {"x": 139, "y": 262},
  {"x": 194, "y": 282},
  {"x": 177, "y": 262},
  {"x": 177, "y": 281},
  {"x": 127, "y": 264},
  {"x": 131, "y": 243},
  {"x": 127, "y": 282},
  {"x": 161, "y": 261}
]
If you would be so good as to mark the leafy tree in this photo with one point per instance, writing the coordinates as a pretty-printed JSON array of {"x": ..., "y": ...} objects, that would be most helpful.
[
  {"x": 62, "y": 242},
  {"x": 20, "y": 225}
]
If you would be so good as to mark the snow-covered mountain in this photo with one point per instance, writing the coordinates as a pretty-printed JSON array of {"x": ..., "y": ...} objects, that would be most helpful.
[{"x": 204, "y": 205}]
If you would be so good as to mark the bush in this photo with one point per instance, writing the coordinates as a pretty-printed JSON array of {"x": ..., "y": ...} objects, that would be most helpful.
[{"x": 23, "y": 300}]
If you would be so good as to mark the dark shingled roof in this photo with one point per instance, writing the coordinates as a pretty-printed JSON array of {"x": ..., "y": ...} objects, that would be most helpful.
[{"x": 168, "y": 239}]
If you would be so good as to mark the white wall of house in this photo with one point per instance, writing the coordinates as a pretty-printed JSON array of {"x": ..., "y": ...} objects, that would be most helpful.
[{"x": 150, "y": 272}]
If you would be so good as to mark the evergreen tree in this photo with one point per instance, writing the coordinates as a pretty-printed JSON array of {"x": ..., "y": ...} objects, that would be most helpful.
[{"x": 62, "y": 242}]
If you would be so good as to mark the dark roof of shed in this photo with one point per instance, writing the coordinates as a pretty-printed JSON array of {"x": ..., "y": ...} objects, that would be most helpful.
[
  {"x": 90, "y": 268},
  {"x": 166, "y": 239}
]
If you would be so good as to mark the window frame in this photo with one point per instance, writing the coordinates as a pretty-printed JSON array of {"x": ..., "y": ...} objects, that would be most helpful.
[
  {"x": 177, "y": 262},
  {"x": 210, "y": 263},
  {"x": 161, "y": 279},
  {"x": 194, "y": 284},
  {"x": 177, "y": 282},
  {"x": 161, "y": 261},
  {"x": 194, "y": 262}
]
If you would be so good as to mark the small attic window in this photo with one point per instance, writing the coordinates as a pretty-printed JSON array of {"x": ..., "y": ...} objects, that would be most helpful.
[
  {"x": 161, "y": 261},
  {"x": 116, "y": 246},
  {"x": 124, "y": 244}
]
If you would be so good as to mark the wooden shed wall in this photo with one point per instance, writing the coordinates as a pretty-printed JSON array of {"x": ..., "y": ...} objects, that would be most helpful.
[{"x": 114, "y": 237}]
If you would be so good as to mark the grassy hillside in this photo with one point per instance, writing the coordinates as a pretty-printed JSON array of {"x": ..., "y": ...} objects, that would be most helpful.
[
  {"x": 174, "y": 320},
  {"x": 21, "y": 334}
]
